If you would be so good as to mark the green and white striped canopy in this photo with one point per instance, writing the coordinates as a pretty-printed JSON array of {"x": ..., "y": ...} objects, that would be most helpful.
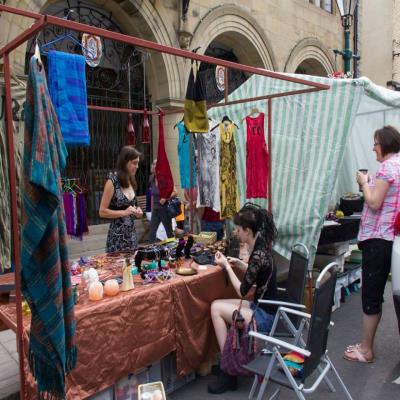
[{"x": 309, "y": 136}]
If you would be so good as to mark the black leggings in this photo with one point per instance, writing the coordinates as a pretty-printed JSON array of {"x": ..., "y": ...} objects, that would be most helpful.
[
  {"x": 376, "y": 262},
  {"x": 160, "y": 215}
]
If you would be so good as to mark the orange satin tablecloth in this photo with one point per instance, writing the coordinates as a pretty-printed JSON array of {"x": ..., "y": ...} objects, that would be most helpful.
[{"x": 119, "y": 335}]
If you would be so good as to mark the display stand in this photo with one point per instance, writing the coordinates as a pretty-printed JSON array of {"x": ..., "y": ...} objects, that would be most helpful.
[{"x": 44, "y": 20}]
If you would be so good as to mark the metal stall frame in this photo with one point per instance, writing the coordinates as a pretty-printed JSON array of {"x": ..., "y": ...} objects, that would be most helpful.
[{"x": 41, "y": 21}]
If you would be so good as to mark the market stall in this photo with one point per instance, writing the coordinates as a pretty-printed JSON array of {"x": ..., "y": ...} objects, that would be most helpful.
[{"x": 182, "y": 329}]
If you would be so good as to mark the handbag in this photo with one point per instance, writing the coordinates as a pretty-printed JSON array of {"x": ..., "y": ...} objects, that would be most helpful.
[
  {"x": 173, "y": 207},
  {"x": 240, "y": 347}
]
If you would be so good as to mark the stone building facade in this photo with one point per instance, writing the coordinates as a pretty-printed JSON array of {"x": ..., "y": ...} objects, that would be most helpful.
[{"x": 285, "y": 35}]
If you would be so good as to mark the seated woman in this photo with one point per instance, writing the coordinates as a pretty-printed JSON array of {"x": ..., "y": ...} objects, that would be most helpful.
[{"x": 254, "y": 227}]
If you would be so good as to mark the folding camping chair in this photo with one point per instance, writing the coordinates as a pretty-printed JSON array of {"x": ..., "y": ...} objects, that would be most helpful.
[
  {"x": 272, "y": 367},
  {"x": 293, "y": 295}
]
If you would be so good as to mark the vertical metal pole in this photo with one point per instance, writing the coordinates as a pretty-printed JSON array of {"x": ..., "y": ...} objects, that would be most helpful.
[
  {"x": 270, "y": 155},
  {"x": 191, "y": 183},
  {"x": 14, "y": 220},
  {"x": 226, "y": 92}
]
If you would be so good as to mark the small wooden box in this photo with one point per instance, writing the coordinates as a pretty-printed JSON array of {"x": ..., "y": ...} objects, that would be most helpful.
[{"x": 205, "y": 238}]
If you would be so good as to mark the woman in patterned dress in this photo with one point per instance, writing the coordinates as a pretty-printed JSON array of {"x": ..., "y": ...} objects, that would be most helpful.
[{"x": 119, "y": 202}]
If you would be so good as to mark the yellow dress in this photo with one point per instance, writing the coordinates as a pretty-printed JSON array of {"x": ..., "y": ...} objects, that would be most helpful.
[{"x": 227, "y": 168}]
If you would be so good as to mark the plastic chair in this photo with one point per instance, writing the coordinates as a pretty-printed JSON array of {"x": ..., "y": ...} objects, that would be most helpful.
[
  {"x": 265, "y": 367},
  {"x": 293, "y": 295}
]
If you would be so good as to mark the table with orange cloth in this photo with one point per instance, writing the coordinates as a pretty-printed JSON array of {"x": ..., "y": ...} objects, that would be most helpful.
[{"x": 119, "y": 335}]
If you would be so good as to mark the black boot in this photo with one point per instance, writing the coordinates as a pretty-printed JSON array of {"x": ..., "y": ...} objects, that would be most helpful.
[{"x": 222, "y": 383}]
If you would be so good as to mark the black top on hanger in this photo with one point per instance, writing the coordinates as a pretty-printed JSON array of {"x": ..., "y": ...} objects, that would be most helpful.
[
  {"x": 225, "y": 118},
  {"x": 178, "y": 123}
]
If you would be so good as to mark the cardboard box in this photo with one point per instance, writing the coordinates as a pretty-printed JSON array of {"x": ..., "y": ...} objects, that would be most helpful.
[
  {"x": 322, "y": 260},
  {"x": 151, "y": 391}
]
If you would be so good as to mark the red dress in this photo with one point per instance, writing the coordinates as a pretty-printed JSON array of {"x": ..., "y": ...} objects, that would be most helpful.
[{"x": 257, "y": 159}]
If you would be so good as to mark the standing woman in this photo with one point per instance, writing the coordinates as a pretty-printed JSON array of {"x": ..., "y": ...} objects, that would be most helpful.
[
  {"x": 119, "y": 202},
  {"x": 254, "y": 227},
  {"x": 158, "y": 208},
  {"x": 376, "y": 235}
]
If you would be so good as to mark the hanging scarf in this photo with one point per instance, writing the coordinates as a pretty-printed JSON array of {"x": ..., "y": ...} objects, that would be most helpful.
[
  {"x": 163, "y": 171},
  {"x": 195, "y": 111},
  {"x": 45, "y": 274}
]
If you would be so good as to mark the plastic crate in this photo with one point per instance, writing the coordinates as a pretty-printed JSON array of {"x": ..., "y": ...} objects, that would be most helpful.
[
  {"x": 127, "y": 387},
  {"x": 169, "y": 376}
]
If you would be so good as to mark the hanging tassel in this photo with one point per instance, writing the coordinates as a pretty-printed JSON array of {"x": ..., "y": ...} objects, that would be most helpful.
[
  {"x": 145, "y": 128},
  {"x": 130, "y": 132}
]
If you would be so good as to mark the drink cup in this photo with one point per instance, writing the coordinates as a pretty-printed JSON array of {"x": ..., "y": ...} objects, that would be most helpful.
[{"x": 365, "y": 172}]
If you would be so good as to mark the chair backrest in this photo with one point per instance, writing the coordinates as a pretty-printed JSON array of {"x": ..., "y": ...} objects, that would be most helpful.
[
  {"x": 297, "y": 273},
  {"x": 320, "y": 317}
]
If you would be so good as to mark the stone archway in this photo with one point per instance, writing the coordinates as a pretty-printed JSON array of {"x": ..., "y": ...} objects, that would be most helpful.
[
  {"x": 310, "y": 57},
  {"x": 235, "y": 28},
  {"x": 141, "y": 21}
]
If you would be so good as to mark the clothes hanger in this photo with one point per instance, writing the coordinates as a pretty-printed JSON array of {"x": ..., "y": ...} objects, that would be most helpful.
[
  {"x": 253, "y": 111},
  {"x": 178, "y": 123},
  {"x": 85, "y": 51},
  {"x": 36, "y": 54},
  {"x": 225, "y": 118}
]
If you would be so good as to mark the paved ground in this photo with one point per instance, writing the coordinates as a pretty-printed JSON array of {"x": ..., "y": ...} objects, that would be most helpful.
[
  {"x": 365, "y": 381},
  {"x": 9, "y": 371}
]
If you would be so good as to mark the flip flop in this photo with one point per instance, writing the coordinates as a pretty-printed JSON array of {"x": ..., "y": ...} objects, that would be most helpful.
[{"x": 358, "y": 355}]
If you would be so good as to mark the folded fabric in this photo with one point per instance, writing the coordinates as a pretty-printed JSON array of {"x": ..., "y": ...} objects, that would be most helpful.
[
  {"x": 294, "y": 361},
  {"x": 67, "y": 87}
]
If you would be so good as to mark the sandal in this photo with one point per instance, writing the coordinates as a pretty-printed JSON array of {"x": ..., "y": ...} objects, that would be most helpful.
[{"x": 354, "y": 353}]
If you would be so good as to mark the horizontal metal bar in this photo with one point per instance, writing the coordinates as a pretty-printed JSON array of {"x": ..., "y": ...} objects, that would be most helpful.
[
  {"x": 122, "y": 110},
  {"x": 23, "y": 37},
  {"x": 18, "y": 11},
  {"x": 251, "y": 99},
  {"x": 147, "y": 44}
]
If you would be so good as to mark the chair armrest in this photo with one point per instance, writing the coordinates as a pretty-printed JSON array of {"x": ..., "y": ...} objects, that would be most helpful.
[
  {"x": 282, "y": 303},
  {"x": 281, "y": 343},
  {"x": 299, "y": 313}
]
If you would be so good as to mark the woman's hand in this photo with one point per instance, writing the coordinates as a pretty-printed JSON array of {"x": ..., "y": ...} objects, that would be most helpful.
[
  {"x": 162, "y": 201},
  {"x": 131, "y": 210},
  {"x": 138, "y": 212},
  {"x": 221, "y": 260},
  {"x": 234, "y": 261},
  {"x": 362, "y": 178}
]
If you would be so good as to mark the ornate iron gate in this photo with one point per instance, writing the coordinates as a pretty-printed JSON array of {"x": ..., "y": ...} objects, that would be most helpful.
[{"x": 107, "y": 85}]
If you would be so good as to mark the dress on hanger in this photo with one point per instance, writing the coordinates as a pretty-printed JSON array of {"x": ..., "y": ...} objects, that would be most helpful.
[
  {"x": 184, "y": 157},
  {"x": 208, "y": 145},
  {"x": 228, "y": 184},
  {"x": 257, "y": 159}
]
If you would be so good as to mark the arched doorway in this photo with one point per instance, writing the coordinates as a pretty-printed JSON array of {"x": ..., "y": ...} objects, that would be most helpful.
[
  {"x": 107, "y": 85},
  {"x": 311, "y": 67}
]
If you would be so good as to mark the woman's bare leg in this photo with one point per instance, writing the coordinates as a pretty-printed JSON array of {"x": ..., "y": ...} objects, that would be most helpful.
[{"x": 221, "y": 314}]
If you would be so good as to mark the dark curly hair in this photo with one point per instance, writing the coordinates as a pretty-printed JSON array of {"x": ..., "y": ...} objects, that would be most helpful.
[{"x": 257, "y": 219}]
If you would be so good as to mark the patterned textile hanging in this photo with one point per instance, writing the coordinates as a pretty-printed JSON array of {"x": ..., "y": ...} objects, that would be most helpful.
[
  {"x": 228, "y": 184},
  {"x": 45, "y": 274},
  {"x": 208, "y": 146}
]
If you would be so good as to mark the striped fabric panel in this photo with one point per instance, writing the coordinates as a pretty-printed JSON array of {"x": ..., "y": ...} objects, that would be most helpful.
[{"x": 309, "y": 134}]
